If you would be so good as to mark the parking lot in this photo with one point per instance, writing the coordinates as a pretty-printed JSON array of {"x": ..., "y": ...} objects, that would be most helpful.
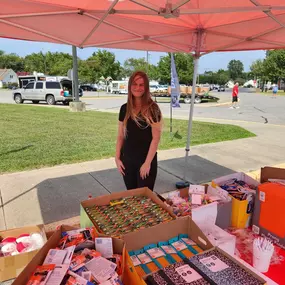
[{"x": 253, "y": 107}]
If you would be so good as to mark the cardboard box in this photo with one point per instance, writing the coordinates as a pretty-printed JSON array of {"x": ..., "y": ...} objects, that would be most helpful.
[
  {"x": 162, "y": 232},
  {"x": 269, "y": 173},
  {"x": 85, "y": 219},
  {"x": 221, "y": 211},
  {"x": 12, "y": 266},
  {"x": 118, "y": 248},
  {"x": 241, "y": 210},
  {"x": 219, "y": 237},
  {"x": 166, "y": 231}
]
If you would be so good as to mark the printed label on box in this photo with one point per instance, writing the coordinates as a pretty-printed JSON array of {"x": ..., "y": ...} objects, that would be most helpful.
[
  {"x": 179, "y": 245},
  {"x": 214, "y": 263},
  {"x": 255, "y": 229},
  {"x": 262, "y": 196},
  {"x": 144, "y": 258},
  {"x": 188, "y": 274},
  {"x": 197, "y": 189},
  {"x": 188, "y": 241},
  {"x": 104, "y": 246},
  {"x": 196, "y": 199},
  {"x": 155, "y": 252},
  {"x": 168, "y": 249},
  {"x": 135, "y": 260}
]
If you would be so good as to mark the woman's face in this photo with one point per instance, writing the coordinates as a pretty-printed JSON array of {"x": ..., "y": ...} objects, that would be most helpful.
[{"x": 137, "y": 87}]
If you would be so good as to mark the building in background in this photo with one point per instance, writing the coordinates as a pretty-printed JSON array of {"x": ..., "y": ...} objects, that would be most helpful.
[{"x": 8, "y": 77}]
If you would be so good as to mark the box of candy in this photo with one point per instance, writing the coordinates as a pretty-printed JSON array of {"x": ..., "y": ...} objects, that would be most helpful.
[
  {"x": 206, "y": 204},
  {"x": 119, "y": 213},
  {"x": 17, "y": 249}
]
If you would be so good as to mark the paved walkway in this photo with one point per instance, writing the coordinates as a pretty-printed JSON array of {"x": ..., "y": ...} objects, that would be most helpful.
[{"x": 52, "y": 194}]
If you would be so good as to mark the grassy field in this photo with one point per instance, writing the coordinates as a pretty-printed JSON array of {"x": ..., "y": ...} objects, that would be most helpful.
[{"x": 33, "y": 137}]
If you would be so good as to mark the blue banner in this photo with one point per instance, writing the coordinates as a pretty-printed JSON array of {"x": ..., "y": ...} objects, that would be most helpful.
[{"x": 175, "y": 88}]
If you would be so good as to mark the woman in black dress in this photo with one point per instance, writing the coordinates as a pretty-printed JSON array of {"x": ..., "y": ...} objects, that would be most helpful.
[{"x": 138, "y": 135}]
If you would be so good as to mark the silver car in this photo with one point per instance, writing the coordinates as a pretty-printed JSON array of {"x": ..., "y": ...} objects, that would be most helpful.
[{"x": 49, "y": 91}]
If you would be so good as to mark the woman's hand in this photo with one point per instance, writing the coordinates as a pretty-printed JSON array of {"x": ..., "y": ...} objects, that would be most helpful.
[
  {"x": 144, "y": 170},
  {"x": 120, "y": 166}
]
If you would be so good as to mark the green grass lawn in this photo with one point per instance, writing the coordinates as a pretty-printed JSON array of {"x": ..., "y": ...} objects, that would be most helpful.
[{"x": 33, "y": 137}]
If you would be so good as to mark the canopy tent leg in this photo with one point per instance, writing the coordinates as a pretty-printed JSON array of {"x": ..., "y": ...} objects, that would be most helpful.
[
  {"x": 75, "y": 75},
  {"x": 191, "y": 113},
  {"x": 185, "y": 183},
  {"x": 76, "y": 105}
]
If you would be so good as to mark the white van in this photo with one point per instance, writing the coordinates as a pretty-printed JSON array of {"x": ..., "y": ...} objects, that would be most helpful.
[{"x": 119, "y": 87}]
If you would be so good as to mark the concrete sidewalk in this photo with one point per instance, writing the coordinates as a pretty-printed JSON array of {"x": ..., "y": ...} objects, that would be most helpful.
[{"x": 52, "y": 194}]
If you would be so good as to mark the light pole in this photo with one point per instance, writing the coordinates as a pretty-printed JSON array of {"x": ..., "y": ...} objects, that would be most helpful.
[
  {"x": 147, "y": 61},
  {"x": 45, "y": 62}
]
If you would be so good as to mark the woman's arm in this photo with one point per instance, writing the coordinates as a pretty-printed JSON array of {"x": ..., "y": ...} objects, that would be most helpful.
[
  {"x": 120, "y": 141},
  {"x": 156, "y": 134}
]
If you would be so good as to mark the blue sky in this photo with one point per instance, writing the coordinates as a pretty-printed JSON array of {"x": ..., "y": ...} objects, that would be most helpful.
[{"x": 212, "y": 61}]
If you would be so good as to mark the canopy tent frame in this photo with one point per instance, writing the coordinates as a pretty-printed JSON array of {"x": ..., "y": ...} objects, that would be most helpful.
[{"x": 162, "y": 39}]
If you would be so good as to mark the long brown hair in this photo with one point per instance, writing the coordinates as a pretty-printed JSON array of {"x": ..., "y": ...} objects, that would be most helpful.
[{"x": 150, "y": 111}]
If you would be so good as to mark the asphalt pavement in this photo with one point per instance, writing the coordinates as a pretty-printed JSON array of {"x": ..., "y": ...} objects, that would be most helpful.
[{"x": 254, "y": 107}]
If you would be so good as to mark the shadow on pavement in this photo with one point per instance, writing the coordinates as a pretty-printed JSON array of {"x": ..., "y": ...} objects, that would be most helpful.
[
  {"x": 59, "y": 198},
  {"x": 199, "y": 170}
]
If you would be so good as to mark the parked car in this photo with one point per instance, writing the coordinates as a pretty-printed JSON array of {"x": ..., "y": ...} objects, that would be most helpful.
[
  {"x": 162, "y": 88},
  {"x": 221, "y": 88},
  {"x": 88, "y": 88},
  {"x": 153, "y": 88},
  {"x": 49, "y": 91}
]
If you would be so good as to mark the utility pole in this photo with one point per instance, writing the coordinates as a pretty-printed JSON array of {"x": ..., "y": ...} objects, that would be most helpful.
[
  {"x": 45, "y": 63},
  {"x": 147, "y": 59}
]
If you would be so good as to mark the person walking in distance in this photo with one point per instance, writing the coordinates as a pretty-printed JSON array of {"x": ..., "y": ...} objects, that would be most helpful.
[
  {"x": 139, "y": 134},
  {"x": 274, "y": 90},
  {"x": 235, "y": 97}
]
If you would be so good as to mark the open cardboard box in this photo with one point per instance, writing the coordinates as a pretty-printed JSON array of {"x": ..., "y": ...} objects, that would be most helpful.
[
  {"x": 241, "y": 210},
  {"x": 166, "y": 231},
  {"x": 162, "y": 232},
  {"x": 223, "y": 209},
  {"x": 86, "y": 220},
  {"x": 118, "y": 248},
  {"x": 266, "y": 174},
  {"x": 11, "y": 266}
]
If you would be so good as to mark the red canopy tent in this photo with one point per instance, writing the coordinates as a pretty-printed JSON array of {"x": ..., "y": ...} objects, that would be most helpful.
[{"x": 192, "y": 26}]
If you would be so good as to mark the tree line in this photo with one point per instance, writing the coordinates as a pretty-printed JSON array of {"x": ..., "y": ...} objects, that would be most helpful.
[
  {"x": 103, "y": 63},
  {"x": 272, "y": 68}
]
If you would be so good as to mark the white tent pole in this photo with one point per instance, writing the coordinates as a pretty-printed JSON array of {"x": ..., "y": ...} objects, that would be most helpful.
[
  {"x": 75, "y": 92},
  {"x": 190, "y": 122}
]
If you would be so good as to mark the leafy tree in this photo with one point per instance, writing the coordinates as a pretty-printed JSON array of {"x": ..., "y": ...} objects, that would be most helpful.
[
  {"x": 88, "y": 71},
  {"x": 11, "y": 61},
  {"x": 222, "y": 76},
  {"x": 105, "y": 64},
  {"x": 57, "y": 63},
  {"x": 274, "y": 65},
  {"x": 153, "y": 72},
  {"x": 184, "y": 66},
  {"x": 36, "y": 62},
  {"x": 134, "y": 64},
  {"x": 235, "y": 68},
  {"x": 257, "y": 68}
]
